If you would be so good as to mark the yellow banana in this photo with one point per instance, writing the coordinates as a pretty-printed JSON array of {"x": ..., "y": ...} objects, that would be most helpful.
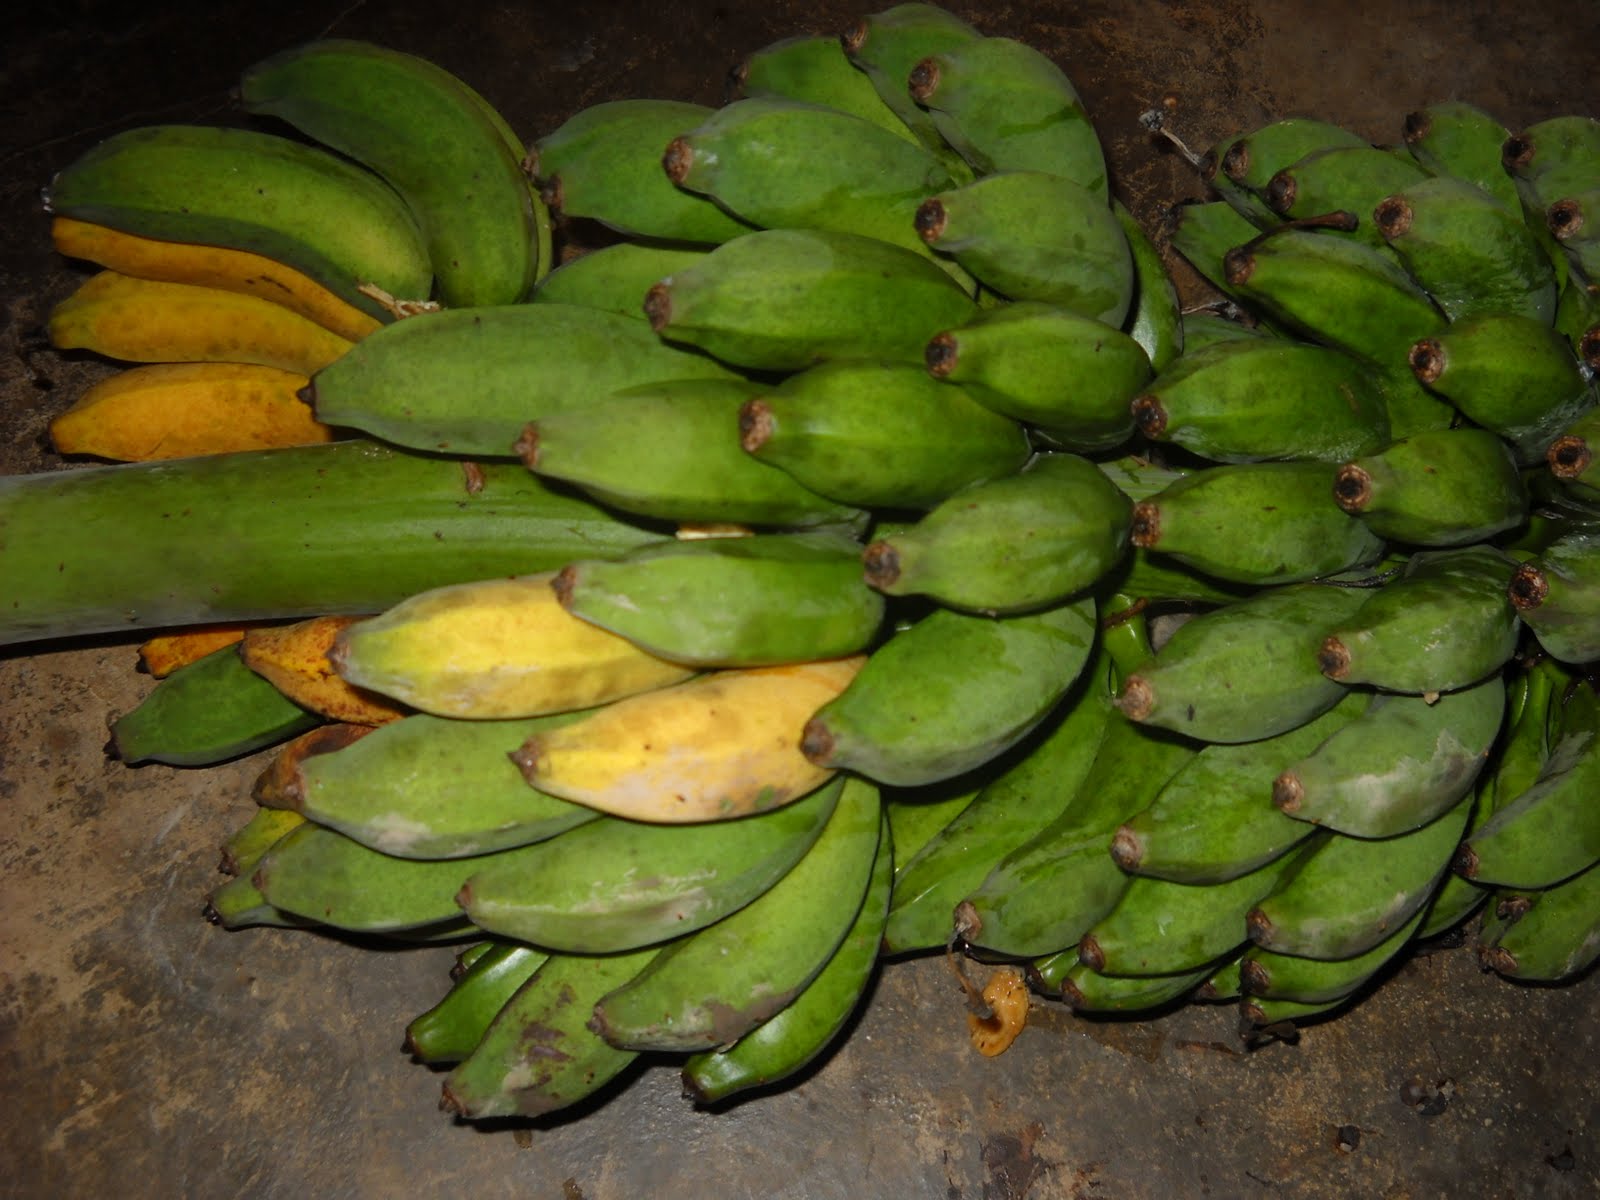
[
  {"x": 230, "y": 270},
  {"x": 294, "y": 659},
  {"x": 724, "y": 745},
  {"x": 166, "y": 652},
  {"x": 152, "y": 321},
  {"x": 495, "y": 648},
  {"x": 175, "y": 410}
]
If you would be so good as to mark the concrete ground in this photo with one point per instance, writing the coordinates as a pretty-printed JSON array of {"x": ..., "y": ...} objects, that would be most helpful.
[{"x": 148, "y": 1053}]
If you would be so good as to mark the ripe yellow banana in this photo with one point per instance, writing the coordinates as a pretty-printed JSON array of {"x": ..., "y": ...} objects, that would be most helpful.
[{"x": 294, "y": 659}]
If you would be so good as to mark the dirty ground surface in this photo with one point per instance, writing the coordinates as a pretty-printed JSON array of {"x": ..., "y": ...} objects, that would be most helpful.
[{"x": 147, "y": 1053}]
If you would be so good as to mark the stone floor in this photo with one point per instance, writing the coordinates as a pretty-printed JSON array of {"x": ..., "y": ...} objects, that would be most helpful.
[{"x": 150, "y": 1054}]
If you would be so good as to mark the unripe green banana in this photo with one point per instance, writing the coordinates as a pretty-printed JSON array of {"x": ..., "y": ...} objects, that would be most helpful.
[
  {"x": 785, "y": 1043},
  {"x": 707, "y": 990},
  {"x": 918, "y": 815},
  {"x": 1244, "y": 671},
  {"x": 1446, "y": 623},
  {"x": 1155, "y": 319},
  {"x": 1520, "y": 755},
  {"x": 1342, "y": 178},
  {"x": 710, "y": 602},
  {"x": 451, "y": 1030},
  {"x": 1214, "y": 820},
  {"x": 879, "y": 434},
  {"x": 1203, "y": 327},
  {"x": 1005, "y": 106},
  {"x": 1572, "y": 455},
  {"x": 1047, "y": 366},
  {"x": 1272, "y": 1017},
  {"x": 614, "y": 278},
  {"x": 1444, "y": 487},
  {"x": 245, "y": 190},
  {"x": 1222, "y": 984},
  {"x": 1204, "y": 232},
  {"x": 466, "y": 381},
  {"x": 670, "y": 450},
  {"x": 1507, "y": 372},
  {"x": 1252, "y": 159},
  {"x": 813, "y": 68},
  {"x": 1351, "y": 893},
  {"x": 1029, "y": 235},
  {"x": 255, "y": 837},
  {"x": 1456, "y": 138},
  {"x": 1469, "y": 252},
  {"x": 1552, "y": 144},
  {"x": 1304, "y": 980},
  {"x": 1249, "y": 399},
  {"x": 604, "y": 162},
  {"x": 1555, "y": 940},
  {"x": 1574, "y": 221},
  {"x": 951, "y": 693},
  {"x": 1256, "y": 523},
  {"x": 1010, "y": 545},
  {"x": 1557, "y": 595},
  {"x": 431, "y": 137},
  {"x": 614, "y": 884},
  {"x": 238, "y": 903},
  {"x": 1402, "y": 763},
  {"x": 1089, "y": 991},
  {"x": 783, "y": 299}
]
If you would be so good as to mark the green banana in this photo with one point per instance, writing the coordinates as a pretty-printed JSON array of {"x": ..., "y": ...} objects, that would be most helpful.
[
  {"x": 1204, "y": 231},
  {"x": 465, "y": 381},
  {"x": 614, "y": 278},
  {"x": 951, "y": 693},
  {"x": 245, "y": 846},
  {"x": 211, "y": 710},
  {"x": 707, "y": 990},
  {"x": 1558, "y": 938},
  {"x": 1222, "y": 984},
  {"x": 813, "y": 68},
  {"x": 1030, "y": 235},
  {"x": 451, "y": 1030},
  {"x": 1269, "y": 1015},
  {"x": 246, "y": 190},
  {"x": 1459, "y": 139},
  {"x": 1342, "y": 178},
  {"x": 233, "y": 537},
  {"x": 429, "y": 135},
  {"x": 1155, "y": 319},
  {"x": 1557, "y": 595},
  {"x": 239, "y": 904},
  {"x": 1574, "y": 221},
  {"x": 786, "y": 1042},
  {"x": 879, "y": 434},
  {"x": 538, "y": 1055},
  {"x": 1443, "y": 487},
  {"x": 1251, "y": 160},
  {"x": 1445, "y": 623},
  {"x": 1202, "y": 327},
  {"x": 1214, "y": 820},
  {"x": 1303, "y": 980},
  {"x": 1552, "y": 144},
  {"x": 709, "y": 602},
  {"x": 1572, "y": 456},
  {"x": 1006, "y": 106},
  {"x": 670, "y": 450},
  {"x": 1087, "y": 990},
  {"x": 783, "y": 299},
  {"x": 1399, "y": 765},
  {"x": 918, "y": 815},
  {"x": 1249, "y": 399},
  {"x": 613, "y": 884},
  {"x": 1069, "y": 375},
  {"x": 604, "y": 163}
]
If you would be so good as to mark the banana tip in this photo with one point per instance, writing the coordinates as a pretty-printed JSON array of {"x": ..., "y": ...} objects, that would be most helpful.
[
  {"x": 1352, "y": 488},
  {"x": 1238, "y": 264},
  {"x": 1236, "y": 160},
  {"x": 1497, "y": 959},
  {"x": 563, "y": 583},
  {"x": 1589, "y": 347},
  {"x": 1333, "y": 657},
  {"x": 1287, "y": 793},
  {"x": 1281, "y": 191},
  {"x": 1426, "y": 359},
  {"x": 526, "y": 758},
  {"x": 1149, "y": 415},
  {"x": 924, "y": 80},
  {"x": 941, "y": 354},
  {"x": 1254, "y": 979},
  {"x": 816, "y": 742},
  {"x": 1259, "y": 926},
  {"x": 1090, "y": 954},
  {"x": 658, "y": 306},
  {"x": 1417, "y": 127},
  {"x": 968, "y": 924},
  {"x": 1569, "y": 456},
  {"x": 881, "y": 562},
  {"x": 1528, "y": 587},
  {"x": 756, "y": 424},
  {"x": 1465, "y": 861},
  {"x": 1392, "y": 216},
  {"x": 1145, "y": 530},
  {"x": 931, "y": 220},
  {"x": 526, "y": 446},
  {"x": 853, "y": 37},
  {"x": 1127, "y": 848},
  {"x": 678, "y": 159}
]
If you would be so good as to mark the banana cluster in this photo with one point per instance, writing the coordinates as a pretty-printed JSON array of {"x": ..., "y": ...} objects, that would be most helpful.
[{"x": 861, "y": 554}]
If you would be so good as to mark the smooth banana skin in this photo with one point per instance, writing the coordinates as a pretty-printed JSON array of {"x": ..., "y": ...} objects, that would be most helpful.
[
  {"x": 1399, "y": 765},
  {"x": 1205, "y": 231},
  {"x": 1557, "y": 939},
  {"x": 1318, "y": 981},
  {"x": 1470, "y": 252},
  {"x": 246, "y": 190},
  {"x": 1009, "y": 810},
  {"x": 245, "y": 845},
  {"x": 1455, "y": 138},
  {"x": 494, "y": 648},
  {"x": 144, "y": 320},
  {"x": 239, "y": 904},
  {"x": 1202, "y": 327},
  {"x": 879, "y": 434},
  {"x": 1254, "y": 399},
  {"x": 1511, "y": 373},
  {"x": 1155, "y": 319},
  {"x": 1348, "y": 178},
  {"x": 1068, "y": 375},
  {"x": 1520, "y": 755},
  {"x": 613, "y": 884},
  {"x": 466, "y": 381},
  {"x": 1445, "y": 623},
  {"x": 604, "y": 162},
  {"x": 429, "y": 135},
  {"x": 725, "y": 744},
  {"x": 707, "y": 990},
  {"x": 812, "y": 68},
  {"x": 1005, "y": 106},
  {"x": 1444, "y": 487},
  {"x": 1266, "y": 1014},
  {"x": 208, "y": 712},
  {"x": 614, "y": 278},
  {"x": 784, "y": 1044},
  {"x": 1557, "y": 595},
  {"x": 918, "y": 815},
  {"x": 538, "y": 1055},
  {"x": 1552, "y": 144},
  {"x": 670, "y": 451},
  {"x": 1222, "y": 984},
  {"x": 1352, "y": 893},
  {"x": 950, "y": 694},
  {"x": 1214, "y": 820},
  {"x": 1010, "y": 545},
  {"x": 1551, "y": 831},
  {"x": 1030, "y": 235},
  {"x": 784, "y": 299},
  {"x": 1087, "y": 990},
  {"x": 268, "y": 535},
  {"x": 709, "y": 602},
  {"x": 433, "y": 787},
  {"x": 218, "y": 267},
  {"x": 451, "y": 1030},
  {"x": 294, "y": 659},
  {"x": 1256, "y": 523},
  {"x": 1252, "y": 159},
  {"x": 1572, "y": 456}
]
